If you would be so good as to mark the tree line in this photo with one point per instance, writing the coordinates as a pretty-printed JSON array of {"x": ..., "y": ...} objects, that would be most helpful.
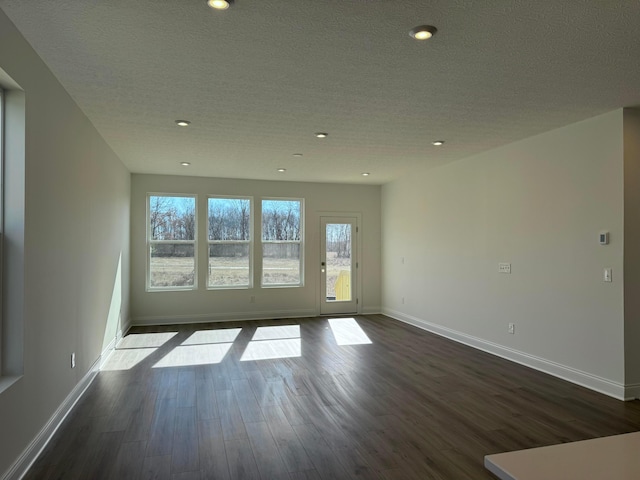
[
  {"x": 173, "y": 218},
  {"x": 339, "y": 239}
]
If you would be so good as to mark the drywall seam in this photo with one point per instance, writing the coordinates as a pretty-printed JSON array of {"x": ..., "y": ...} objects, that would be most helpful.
[{"x": 584, "y": 379}]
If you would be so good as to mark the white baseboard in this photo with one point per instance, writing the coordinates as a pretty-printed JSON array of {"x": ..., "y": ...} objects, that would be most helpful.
[
  {"x": 584, "y": 379},
  {"x": 632, "y": 391},
  {"x": 37, "y": 445},
  {"x": 371, "y": 310},
  {"x": 222, "y": 317}
]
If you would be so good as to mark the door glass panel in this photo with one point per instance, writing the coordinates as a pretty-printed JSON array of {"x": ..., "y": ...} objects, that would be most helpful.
[{"x": 338, "y": 258}]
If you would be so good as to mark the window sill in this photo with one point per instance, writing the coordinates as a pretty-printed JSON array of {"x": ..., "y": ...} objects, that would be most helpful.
[
  {"x": 165, "y": 290},
  {"x": 281, "y": 286},
  {"x": 234, "y": 287}
]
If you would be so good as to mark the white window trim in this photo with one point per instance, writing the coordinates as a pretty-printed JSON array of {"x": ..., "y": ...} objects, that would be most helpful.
[
  {"x": 2, "y": 147},
  {"x": 249, "y": 242},
  {"x": 300, "y": 242},
  {"x": 150, "y": 242}
]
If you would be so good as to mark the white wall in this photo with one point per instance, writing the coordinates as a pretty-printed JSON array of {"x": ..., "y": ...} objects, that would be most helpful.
[
  {"x": 212, "y": 305},
  {"x": 76, "y": 233},
  {"x": 632, "y": 248},
  {"x": 538, "y": 204}
]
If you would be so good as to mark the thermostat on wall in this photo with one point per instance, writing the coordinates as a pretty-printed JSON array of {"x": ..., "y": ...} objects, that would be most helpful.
[{"x": 604, "y": 238}]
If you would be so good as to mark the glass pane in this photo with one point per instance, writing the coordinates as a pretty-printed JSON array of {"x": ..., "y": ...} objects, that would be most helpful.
[
  {"x": 281, "y": 220},
  {"x": 280, "y": 263},
  {"x": 172, "y": 265},
  {"x": 172, "y": 218},
  {"x": 229, "y": 219},
  {"x": 338, "y": 257},
  {"x": 229, "y": 265}
]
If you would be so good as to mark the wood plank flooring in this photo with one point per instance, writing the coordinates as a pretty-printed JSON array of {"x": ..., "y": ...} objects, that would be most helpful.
[{"x": 409, "y": 405}]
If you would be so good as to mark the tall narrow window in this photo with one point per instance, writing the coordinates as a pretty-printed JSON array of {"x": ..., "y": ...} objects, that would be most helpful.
[
  {"x": 230, "y": 244},
  {"x": 171, "y": 242},
  {"x": 12, "y": 208},
  {"x": 282, "y": 244},
  {"x": 1, "y": 215}
]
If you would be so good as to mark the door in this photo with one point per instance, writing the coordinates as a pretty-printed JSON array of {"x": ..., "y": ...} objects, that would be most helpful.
[{"x": 338, "y": 263}]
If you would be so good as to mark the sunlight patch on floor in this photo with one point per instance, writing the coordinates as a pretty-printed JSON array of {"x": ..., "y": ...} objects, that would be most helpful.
[
  {"x": 188, "y": 355},
  {"x": 145, "y": 340},
  {"x": 202, "y": 337},
  {"x": 126, "y": 359},
  {"x": 277, "y": 332},
  {"x": 346, "y": 331},
  {"x": 269, "y": 349},
  {"x": 135, "y": 348}
]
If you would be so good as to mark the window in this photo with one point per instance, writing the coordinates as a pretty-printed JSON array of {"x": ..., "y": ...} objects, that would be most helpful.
[
  {"x": 282, "y": 233},
  {"x": 230, "y": 244},
  {"x": 1, "y": 212},
  {"x": 12, "y": 208},
  {"x": 171, "y": 242}
]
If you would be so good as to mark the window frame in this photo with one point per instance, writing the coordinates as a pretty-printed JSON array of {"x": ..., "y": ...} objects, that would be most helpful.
[
  {"x": 2, "y": 154},
  {"x": 150, "y": 242},
  {"x": 249, "y": 242},
  {"x": 300, "y": 242}
]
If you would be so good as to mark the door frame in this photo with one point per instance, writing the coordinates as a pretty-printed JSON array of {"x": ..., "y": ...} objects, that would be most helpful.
[{"x": 357, "y": 260}]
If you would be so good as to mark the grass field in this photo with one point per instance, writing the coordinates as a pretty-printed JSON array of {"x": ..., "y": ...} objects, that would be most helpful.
[
  {"x": 172, "y": 271},
  {"x": 234, "y": 271}
]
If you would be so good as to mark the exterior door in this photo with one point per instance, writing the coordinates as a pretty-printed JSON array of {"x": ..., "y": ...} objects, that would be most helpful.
[{"x": 338, "y": 263}]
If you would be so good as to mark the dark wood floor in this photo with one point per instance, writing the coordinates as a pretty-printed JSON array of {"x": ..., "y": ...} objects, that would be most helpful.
[{"x": 410, "y": 405}]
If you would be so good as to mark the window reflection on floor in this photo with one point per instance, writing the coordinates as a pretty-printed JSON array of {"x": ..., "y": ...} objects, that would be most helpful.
[
  {"x": 201, "y": 337},
  {"x": 281, "y": 341},
  {"x": 126, "y": 359},
  {"x": 145, "y": 340},
  {"x": 211, "y": 346},
  {"x": 203, "y": 347},
  {"x": 187, "y": 355},
  {"x": 134, "y": 348},
  {"x": 277, "y": 332},
  {"x": 346, "y": 331}
]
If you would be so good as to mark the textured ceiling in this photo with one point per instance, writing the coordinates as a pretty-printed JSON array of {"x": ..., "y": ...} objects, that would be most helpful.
[{"x": 259, "y": 79}]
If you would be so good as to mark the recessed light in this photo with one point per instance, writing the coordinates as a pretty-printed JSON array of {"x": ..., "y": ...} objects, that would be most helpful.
[
  {"x": 183, "y": 123},
  {"x": 282, "y": 170},
  {"x": 322, "y": 135},
  {"x": 185, "y": 164},
  {"x": 366, "y": 174},
  {"x": 220, "y": 4},
  {"x": 297, "y": 154},
  {"x": 437, "y": 143},
  {"x": 423, "y": 32}
]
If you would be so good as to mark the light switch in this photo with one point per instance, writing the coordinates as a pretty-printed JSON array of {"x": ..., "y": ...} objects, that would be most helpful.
[{"x": 607, "y": 275}]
